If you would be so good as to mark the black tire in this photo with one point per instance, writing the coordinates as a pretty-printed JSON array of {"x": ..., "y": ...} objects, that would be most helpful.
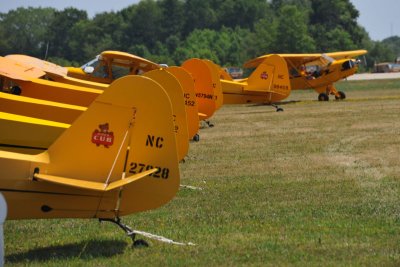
[
  {"x": 16, "y": 90},
  {"x": 341, "y": 96},
  {"x": 196, "y": 138},
  {"x": 279, "y": 109},
  {"x": 323, "y": 97}
]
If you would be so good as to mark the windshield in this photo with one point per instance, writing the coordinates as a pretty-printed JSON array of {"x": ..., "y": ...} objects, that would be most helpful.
[{"x": 93, "y": 63}]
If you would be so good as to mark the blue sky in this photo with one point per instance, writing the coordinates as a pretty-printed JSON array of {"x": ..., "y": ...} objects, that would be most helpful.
[{"x": 381, "y": 18}]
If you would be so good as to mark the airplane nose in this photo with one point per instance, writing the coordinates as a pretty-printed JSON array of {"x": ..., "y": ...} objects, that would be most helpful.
[{"x": 349, "y": 64}]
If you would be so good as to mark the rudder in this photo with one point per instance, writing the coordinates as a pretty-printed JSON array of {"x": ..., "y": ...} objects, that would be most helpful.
[{"x": 271, "y": 76}]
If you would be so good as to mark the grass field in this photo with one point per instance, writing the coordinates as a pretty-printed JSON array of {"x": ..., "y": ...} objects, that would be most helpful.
[{"x": 315, "y": 185}]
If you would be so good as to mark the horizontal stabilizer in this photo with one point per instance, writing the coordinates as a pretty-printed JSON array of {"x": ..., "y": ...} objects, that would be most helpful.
[
  {"x": 95, "y": 186},
  {"x": 39, "y": 158}
]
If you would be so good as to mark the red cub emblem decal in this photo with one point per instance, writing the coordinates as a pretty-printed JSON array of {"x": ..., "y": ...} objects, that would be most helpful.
[
  {"x": 264, "y": 75},
  {"x": 103, "y": 137}
]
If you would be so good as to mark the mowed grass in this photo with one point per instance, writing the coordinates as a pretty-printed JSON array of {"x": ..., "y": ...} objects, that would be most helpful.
[{"x": 315, "y": 185}]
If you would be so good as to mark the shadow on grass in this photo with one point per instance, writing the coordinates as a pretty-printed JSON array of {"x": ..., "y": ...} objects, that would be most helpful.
[
  {"x": 84, "y": 250},
  {"x": 267, "y": 104},
  {"x": 277, "y": 103}
]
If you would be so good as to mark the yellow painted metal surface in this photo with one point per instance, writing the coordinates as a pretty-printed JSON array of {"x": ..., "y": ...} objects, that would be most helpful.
[
  {"x": 43, "y": 65},
  {"x": 124, "y": 123},
  {"x": 15, "y": 70},
  {"x": 44, "y": 69},
  {"x": 269, "y": 83},
  {"x": 80, "y": 82},
  {"x": 58, "y": 92},
  {"x": 299, "y": 59},
  {"x": 202, "y": 76},
  {"x": 329, "y": 75},
  {"x": 26, "y": 134},
  {"x": 96, "y": 186},
  {"x": 110, "y": 63},
  {"x": 40, "y": 109},
  {"x": 216, "y": 85},
  {"x": 175, "y": 92},
  {"x": 187, "y": 83},
  {"x": 42, "y": 157}
]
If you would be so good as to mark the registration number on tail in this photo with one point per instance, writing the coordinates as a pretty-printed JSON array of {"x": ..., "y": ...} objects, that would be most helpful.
[{"x": 135, "y": 168}]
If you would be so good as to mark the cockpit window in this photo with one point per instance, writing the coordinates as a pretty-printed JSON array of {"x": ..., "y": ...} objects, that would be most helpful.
[
  {"x": 93, "y": 63},
  {"x": 119, "y": 71},
  {"x": 100, "y": 69},
  {"x": 101, "y": 72}
]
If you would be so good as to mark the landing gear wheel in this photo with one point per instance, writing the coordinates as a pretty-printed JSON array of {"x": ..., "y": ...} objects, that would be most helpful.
[
  {"x": 140, "y": 243},
  {"x": 323, "y": 97},
  {"x": 279, "y": 109},
  {"x": 342, "y": 95},
  {"x": 16, "y": 90},
  {"x": 196, "y": 138}
]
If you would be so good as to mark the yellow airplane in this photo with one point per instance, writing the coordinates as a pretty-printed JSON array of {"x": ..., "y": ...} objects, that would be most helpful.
[
  {"x": 117, "y": 158},
  {"x": 75, "y": 98},
  {"x": 111, "y": 65},
  {"x": 318, "y": 71},
  {"x": 269, "y": 83}
]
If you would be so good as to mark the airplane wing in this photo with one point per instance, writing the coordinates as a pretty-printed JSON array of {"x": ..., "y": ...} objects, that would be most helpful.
[
  {"x": 129, "y": 60},
  {"x": 295, "y": 60},
  {"x": 18, "y": 71},
  {"x": 346, "y": 54},
  {"x": 96, "y": 186},
  {"x": 46, "y": 66}
]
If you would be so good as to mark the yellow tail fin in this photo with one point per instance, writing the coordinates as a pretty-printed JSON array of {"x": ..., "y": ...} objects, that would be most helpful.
[
  {"x": 189, "y": 95},
  {"x": 126, "y": 133},
  {"x": 216, "y": 84},
  {"x": 203, "y": 80},
  {"x": 271, "y": 76},
  {"x": 175, "y": 92}
]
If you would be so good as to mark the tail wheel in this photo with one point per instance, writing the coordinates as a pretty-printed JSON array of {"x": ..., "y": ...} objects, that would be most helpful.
[
  {"x": 196, "y": 138},
  {"x": 342, "y": 95},
  {"x": 323, "y": 97}
]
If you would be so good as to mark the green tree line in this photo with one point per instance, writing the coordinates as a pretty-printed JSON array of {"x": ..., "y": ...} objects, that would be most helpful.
[{"x": 229, "y": 32}]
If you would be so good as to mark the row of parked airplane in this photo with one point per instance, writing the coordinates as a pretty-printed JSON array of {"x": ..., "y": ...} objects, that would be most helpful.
[{"x": 105, "y": 140}]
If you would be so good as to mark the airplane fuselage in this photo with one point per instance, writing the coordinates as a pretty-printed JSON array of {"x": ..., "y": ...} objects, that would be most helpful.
[
  {"x": 235, "y": 93},
  {"x": 338, "y": 70}
]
